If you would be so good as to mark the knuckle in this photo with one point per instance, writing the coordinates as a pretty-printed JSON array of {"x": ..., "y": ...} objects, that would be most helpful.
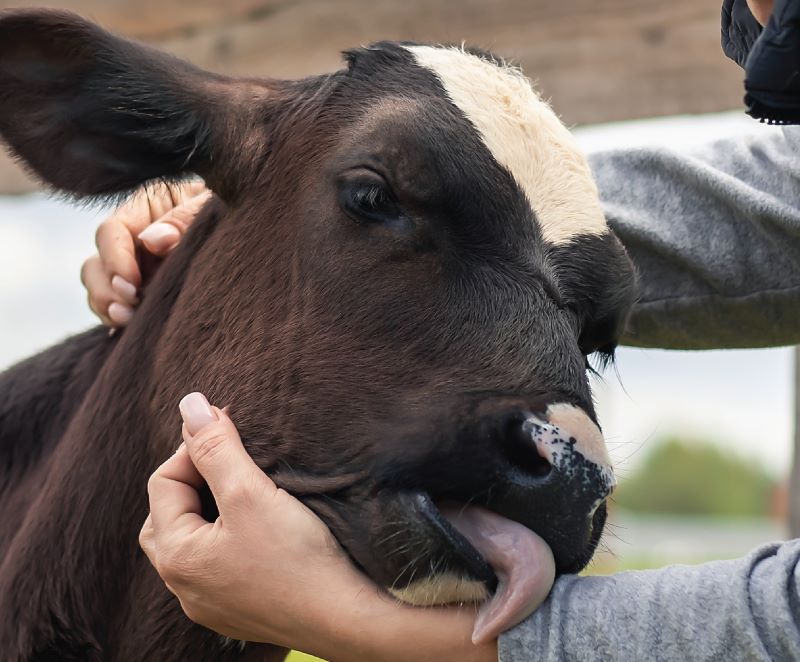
[
  {"x": 183, "y": 215},
  {"x": 169, "y": 572},
  {"x": 98, "y": 307},
  {"x": 192, "y": 610},
  {"x": 181, "y": 565},
  {"x": 209, "y": 444},
  {"x": 247, "y": 494},
  {"x": 172, "y": 565},
  {"x": 88, "y": 264},
  {"x": 103, "y": 228},
  {"x": 239, "y": 495},
  {"x": 146, "y": 541},
  {"x": 152, "y": 482}
]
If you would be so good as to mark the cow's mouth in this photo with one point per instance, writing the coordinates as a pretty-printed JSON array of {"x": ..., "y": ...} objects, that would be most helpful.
[
  {"x": 471, "y": 559},
  {"x": 483, "y": 516},
  {"x": 499, "y": 562}
]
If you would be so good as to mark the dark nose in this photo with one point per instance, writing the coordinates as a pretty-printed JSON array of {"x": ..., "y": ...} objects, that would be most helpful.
[{"x": 558, "y": 476}]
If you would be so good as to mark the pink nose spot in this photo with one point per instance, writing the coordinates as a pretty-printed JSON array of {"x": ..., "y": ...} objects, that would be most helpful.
[
  {"x": 547, "y": 438},
  {"x": 568, "y": 439}
]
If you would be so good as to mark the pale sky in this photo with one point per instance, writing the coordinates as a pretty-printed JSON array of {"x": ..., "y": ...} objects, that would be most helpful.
[{"x": 716, "y": 396}]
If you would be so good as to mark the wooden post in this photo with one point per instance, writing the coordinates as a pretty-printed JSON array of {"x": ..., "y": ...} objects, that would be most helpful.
[
  {"x": 794, "y": 478},
  {"x": 596, "y": 61}
]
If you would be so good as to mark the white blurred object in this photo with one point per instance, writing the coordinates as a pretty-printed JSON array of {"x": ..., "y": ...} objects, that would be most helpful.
[{"x": 677, "y": 132}]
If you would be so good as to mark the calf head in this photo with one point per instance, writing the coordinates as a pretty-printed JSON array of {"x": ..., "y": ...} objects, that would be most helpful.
[{"x": 406, "y": 268}]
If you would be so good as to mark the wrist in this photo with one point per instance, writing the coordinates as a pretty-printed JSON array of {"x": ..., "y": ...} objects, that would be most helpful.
[{"x": 369, "y": 624}]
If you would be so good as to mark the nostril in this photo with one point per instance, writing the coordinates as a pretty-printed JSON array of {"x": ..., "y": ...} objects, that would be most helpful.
[{"x": 521, "y": 450}]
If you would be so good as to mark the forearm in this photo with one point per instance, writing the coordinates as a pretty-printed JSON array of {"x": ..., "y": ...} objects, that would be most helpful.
[
  {"x": 725, "y": 610},
  {"x": 715, "y": 235},
  {"x": 396, "y": 633}
]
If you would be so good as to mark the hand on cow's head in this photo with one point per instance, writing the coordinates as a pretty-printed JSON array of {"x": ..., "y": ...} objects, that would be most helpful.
[{"x": 94, "y": 114}]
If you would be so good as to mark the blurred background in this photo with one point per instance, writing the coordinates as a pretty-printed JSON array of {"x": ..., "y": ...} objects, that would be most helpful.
[{"x": 696, "y": 484}]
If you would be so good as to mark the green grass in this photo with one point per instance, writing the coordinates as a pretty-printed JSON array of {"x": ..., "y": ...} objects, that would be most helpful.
[{"x": 296, "y": 656}]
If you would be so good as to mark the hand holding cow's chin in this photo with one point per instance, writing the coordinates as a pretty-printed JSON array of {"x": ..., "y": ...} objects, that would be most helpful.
[
  {"x": 268, "y": 569},
  {"x": 153, "y": 220}
]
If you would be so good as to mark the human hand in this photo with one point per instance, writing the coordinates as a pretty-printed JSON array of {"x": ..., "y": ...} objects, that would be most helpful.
[
  {"x": 761, "y": 9},
  {"x": 268, "y": 570},
  {"x": 154, "y": 219}
]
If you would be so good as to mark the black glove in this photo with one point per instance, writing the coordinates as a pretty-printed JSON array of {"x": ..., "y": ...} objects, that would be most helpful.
[
  {"x": 770, "y": 57},
  {"x": 772, "y": 78},
  {"x": 740, "y": 30}
]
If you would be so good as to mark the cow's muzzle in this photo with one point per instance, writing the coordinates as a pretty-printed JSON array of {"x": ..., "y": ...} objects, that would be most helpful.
[
  {"x": 537, "y": 464},
  {"x": 558, "y": 478}
]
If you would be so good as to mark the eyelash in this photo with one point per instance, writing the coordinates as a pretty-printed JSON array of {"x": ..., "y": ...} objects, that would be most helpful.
[
  {"x": 604, "y": 357},
  {"x": 371, "y": 196}
]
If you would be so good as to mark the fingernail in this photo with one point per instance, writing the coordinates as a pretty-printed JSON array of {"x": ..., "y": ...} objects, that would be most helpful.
[
  {"x": 125, "y": 289},
  {"x": 196, "y": 412},
  {"x": 203, "y": 197},
  {"x": 160, "y": 236},
  {"x": 120, "y": 313}
]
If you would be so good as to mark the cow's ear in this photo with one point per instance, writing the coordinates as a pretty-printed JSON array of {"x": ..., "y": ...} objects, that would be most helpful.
[{"x": 94, "y": 114}]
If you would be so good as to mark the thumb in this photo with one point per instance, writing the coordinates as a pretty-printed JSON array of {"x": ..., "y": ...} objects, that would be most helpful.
[{"x": 216, "y": 450}]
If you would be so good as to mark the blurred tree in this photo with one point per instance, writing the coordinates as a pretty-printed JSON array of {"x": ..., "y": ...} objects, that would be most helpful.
[{"x": 697, "y": 478}]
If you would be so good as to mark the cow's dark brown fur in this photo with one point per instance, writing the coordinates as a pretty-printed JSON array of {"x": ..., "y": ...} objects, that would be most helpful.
[{"x": 360, "y": 357}]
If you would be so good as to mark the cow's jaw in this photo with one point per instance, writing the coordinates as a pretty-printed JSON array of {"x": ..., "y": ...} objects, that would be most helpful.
[
  {"x": 443, "y": 589},
  {"x": 521, "y": 561}
]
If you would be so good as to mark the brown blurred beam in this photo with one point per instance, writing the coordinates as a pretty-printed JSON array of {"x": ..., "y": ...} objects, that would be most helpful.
[{"x": 597, "y": 60}]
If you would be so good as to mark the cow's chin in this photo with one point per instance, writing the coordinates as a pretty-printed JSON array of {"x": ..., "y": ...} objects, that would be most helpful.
[
  {"x": 468, "y": 577},
  {"x": 442, "y": 589}
]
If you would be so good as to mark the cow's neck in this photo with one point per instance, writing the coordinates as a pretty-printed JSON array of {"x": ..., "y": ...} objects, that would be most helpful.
[{"x": 81, "y": 533}]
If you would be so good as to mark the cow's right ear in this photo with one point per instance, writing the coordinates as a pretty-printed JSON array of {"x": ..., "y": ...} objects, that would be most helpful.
[{"x": 94, "y": 114}]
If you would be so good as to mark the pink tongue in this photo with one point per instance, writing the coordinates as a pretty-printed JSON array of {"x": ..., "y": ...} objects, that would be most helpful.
[{"x": 521, "y": 560}]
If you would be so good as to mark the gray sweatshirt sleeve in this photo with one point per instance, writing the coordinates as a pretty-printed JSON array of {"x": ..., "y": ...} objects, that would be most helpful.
[
  {"x": 747, "y": 609},
  {"x": 715, "y": 234}
]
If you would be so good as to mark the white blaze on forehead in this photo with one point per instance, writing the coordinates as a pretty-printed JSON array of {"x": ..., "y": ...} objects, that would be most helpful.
[{"x": 524, "y": 136}]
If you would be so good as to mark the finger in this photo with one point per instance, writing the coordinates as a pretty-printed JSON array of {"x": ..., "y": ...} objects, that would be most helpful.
[
  {"x": 115, "y": 237},
  {"x": 119, "y": 313},
  {"x": 98, "y": 287},
  {"x": 175, "y": 507},
  {"x": 182, "y": 216},
  {"x": 117, "y": 249},
  {"x": 217, "y": 451},
  {"x": 151, "y": 202},
  {"x": 103, "y": 315},
  {"x": 188, "y": 190},
  {"x": 147, "y": 540},
  {"x": 124, "y": 290},
  {"x": 193, "y": 188},
  {"x": 163, "y": 235},
  {"x": 161, "y": 197},
  {"x": 160, "y": 238}
]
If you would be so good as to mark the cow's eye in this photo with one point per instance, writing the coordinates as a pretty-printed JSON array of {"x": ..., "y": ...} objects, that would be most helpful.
[{"x": 370, "y": 202}]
